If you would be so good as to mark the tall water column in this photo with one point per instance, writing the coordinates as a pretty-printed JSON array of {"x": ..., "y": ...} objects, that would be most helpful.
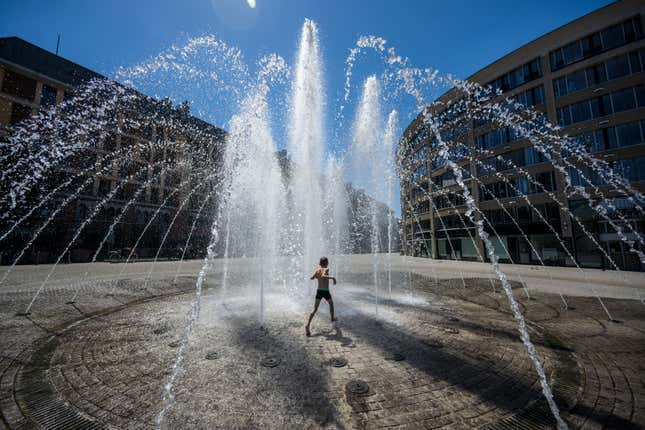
[{"x": 306, "y": 146}]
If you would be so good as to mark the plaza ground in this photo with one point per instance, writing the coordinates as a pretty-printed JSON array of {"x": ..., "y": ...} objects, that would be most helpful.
[{"x": 435, "y": 352}]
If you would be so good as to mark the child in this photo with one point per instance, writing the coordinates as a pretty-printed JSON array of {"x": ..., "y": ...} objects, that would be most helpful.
[{"x": 322, "y": 275}]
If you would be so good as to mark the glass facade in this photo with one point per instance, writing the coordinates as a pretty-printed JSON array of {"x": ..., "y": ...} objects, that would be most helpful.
[
  {"x": 19, "y": 85},
  {"x": 510, "y": 160},
  {"x": 518, "y": 187},
  {"x": 519, "y": 76},
  {"x": 614, "y": 58},
  {"x": 628, "y": 134},
  {"x": 420, "y": 172},
  {"x": 496, "y": 138},
  {"x": 531, "y": 97},
  {"x": 615, "y": 102},
  {"x": 613, "y": 68},
  {"x": 595, "y": 43},
  {"x": 632, "y": 169},
  {"x": 47, "y": 96},
  {"x": 420, "y": 154}
]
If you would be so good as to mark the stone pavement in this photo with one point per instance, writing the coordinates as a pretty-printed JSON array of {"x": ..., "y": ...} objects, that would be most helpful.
[
  {"x": 551, "y": 279},
  {"x": 431, "y": 355}
]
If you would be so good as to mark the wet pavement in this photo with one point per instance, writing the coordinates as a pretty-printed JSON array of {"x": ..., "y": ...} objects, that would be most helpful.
[{"x": 434, "y": 355}]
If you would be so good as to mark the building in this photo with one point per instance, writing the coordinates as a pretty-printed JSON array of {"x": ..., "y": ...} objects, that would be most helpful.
[
  {"x": 152, "y": 132},
  {"x": 587, "y": 77}
]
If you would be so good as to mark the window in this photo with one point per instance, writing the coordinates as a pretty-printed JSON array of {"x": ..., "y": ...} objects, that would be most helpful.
[
  {"x": 581, "y": 111},
  {"x": 521, "y": 185},
  {"x": 596, "y": 74},
  {"x": 447, "y": 179},
  {"x": 531, "y": 97},
  {"x": 439, "y": 162},
  {"x": 559, "y": 87},
  {"x": 623, "y": 100},
  {"x": 420, "y": 154},
  {"x": 546, "y": 179},
  {"x": 500, "y": 190},
  {"x": 155, "y": 195},
  {"x": 572, "y": 53},
  {"x": 618, "y": 67},
  {"x": 635, "y": 62},
  {"x": 533, "y": 156},
  {"x": 609, "y": 38},
  {"x": 5, "y": 111},
  {"x": 576, "y": 81},
  {"x": 640, "y": 96},
  {"x": 632, "y": 169},
  {"x": 633, "y": 30},
  {"x": 109, "y": 144},
  {"x": 582, "y": 177},
  {"x": 519, "y": 76},
  {"x": 496, "y": 138},
  {"x": 523, "y": 214},
  {"x": 47, "y": 96},
  {"x": 104, "y": 187},
  {"x": 628, "y": 134},
  {"x": 19, "y": 85},
  {"x": 612, "y": 37},
  {"x": 487, "y": 167},
  {"x": 19, "y": 112},
  {"x": 420, "y": 172},
  {"x": 460, "y": 151},
  {"x": 419, "y": 190},
  {"x": 422, "y": 207},
  {"x": 609, "y": 139},
  {"x": 618, "y": 101},
  {"x": 419, "y": 138},
  {"x": 591, "y": 45},
  {"x": 563, "y": 116},
  {"x": 449, "y": 200},
  {"x": 613, "y": 68}
]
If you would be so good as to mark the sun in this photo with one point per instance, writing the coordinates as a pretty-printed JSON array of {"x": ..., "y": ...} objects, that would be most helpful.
[{"x": 251, "y": 3}]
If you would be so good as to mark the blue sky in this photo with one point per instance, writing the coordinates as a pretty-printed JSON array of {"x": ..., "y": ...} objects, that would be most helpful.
[{"x": 456, "y": 36}]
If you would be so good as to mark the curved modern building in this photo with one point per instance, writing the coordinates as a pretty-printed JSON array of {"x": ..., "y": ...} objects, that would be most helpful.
[{"x": 588, "y": 78}]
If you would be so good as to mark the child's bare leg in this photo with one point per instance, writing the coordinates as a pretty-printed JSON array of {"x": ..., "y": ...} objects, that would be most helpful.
[
  {"x": 331, "y": 309},
  {"x": 311, "y": 315}
]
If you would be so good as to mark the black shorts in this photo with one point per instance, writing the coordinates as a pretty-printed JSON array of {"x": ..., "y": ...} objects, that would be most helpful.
[{"x": 323, "y": 294}]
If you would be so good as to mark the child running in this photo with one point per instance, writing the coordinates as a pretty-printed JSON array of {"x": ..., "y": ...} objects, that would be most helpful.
[{"x": 322, "y": 275}]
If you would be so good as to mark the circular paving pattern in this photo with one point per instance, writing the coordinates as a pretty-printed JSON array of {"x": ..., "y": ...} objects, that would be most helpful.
[{"x": 453, "y": 360}]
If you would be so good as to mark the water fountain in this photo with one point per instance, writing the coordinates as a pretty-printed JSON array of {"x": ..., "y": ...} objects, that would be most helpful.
[
  {"x": 273, "y": 217},
  {"x": 306, "y": 143}
]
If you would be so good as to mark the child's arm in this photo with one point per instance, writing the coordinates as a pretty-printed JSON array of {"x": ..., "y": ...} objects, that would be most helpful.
[{"x": 315, "y": 275}]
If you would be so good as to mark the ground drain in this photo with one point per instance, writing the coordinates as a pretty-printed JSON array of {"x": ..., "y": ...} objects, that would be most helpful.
[
  {"x": 213, "y": 355},
  {"x": 357, "y": 387},
  {"x": 160, "y": 330},
  {"x": 434, "y": 343},
  {"x": 338, "y": 362},
  {"x": 174, "y": 344},
  {"x": 40, "y": 398},
  {"x": 395, "y": 356},
  {"x": 270, "y": 361}
]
